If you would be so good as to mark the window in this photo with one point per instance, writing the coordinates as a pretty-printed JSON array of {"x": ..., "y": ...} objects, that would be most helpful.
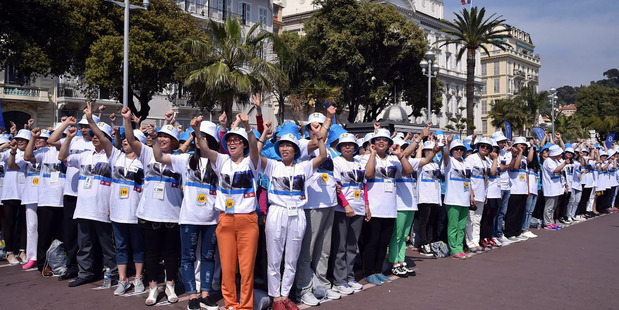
[
  {"x": 245, "y": 12},
  {"x": 507, "y": 85},
  {"x": 262, "y": 12},
  {"x": 484, "y": 88},
  {"x": 448, "y": 61},
  {"x": 497, "y": 86},
  {"x": 484, "y": 126},
  {"x": 13, "y": 76},
  {"x": 484, "y": 107},
  {"x": 224, "y": 8},
  {"x": 484, "y": 70},
  {"x": 497, "y": 68}
]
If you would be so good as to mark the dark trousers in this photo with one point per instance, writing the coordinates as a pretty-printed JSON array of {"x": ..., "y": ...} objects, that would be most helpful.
[
  {"x": 561, "y": 211},
  {"x": 427, "y": 217},
  {"x": 584, "y": 199},
  {"x": 15, "y": 231},
  {"x": 377, "y": 234},
  {"x": 161, "y": 240},
  {"x": 440, "y": 227},
  {"x": 50, "y": 227},
  {"x": 260, "y": 270},
  {"x": 514, "y": 214},
  {"x": 90, "y": 234},
  {"x": 70, "y": 232},
  {"x": 607, "y": 198},
  {"x": 487, "y": 218}
]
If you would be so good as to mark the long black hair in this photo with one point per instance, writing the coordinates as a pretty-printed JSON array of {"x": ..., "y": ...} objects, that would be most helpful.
[{"x": 534, "y": 164}]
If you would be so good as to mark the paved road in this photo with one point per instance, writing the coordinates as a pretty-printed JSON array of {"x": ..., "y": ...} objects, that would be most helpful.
[{"x": 575, "y": 268}]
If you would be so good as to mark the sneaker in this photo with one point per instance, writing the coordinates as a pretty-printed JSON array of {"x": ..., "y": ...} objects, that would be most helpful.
[
  {"x": 409, "y": 271},
  {"x": 310, "y": 300},
  {"x": 209, "y": 303},
  {"x": 522, "y": 237},
  {"x": 47, "y": 272},
  {"x": 496, "y": 242},
  {"x": 193, "y": 304},
  {"x": 289, "y": 304},
  {"x": 460, "y": 256},
  {"x": 67, "y": 275},
  {"x": 425, "y": 250},
  {"x": 123, "y": 287},
  {"x": 372, "y": 279},
  {"x": 505, "y": 241},
  {"x": 332, "y": 295},
  {"x": 30, "y": 264},
  {"x": 278, "y": 305},
  {"x": 355, "y": 286},
  {"x": 81, "y": 281},
  {"x": 513, "y": 239},
  {"x": 529, "y": 234},
  {"x": 549, "y": 227},
  {"x": 397, "y": 271},
  {"x": 383, "y": 278},
  {"x": 342, "y": 289},
  {"x": 138, "y": 285}
]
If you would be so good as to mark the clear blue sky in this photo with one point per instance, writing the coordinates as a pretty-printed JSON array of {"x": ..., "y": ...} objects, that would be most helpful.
[{"x": 577, "y": 40}]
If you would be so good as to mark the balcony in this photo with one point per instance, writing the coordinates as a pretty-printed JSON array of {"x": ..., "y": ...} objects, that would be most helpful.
[
  {"x": 519, "y": 74},
  {"x": 202, "y": 9},
  {"x": 69, "y": 90},
  {"x": 24, "y": 93}
]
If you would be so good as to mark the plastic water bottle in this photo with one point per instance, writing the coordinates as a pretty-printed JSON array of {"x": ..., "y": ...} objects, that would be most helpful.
[{"x": 107, "y": 278}]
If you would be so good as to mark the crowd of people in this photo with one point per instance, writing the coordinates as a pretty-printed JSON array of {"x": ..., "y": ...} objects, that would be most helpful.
[{"x": 300, "y": 212}]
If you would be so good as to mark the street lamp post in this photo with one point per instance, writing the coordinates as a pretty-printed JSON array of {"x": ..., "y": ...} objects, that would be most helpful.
[
  {"x": 432, "y": 70},
  {"x": 553, "y": 97},
  {"x": 127, "y": 7}
]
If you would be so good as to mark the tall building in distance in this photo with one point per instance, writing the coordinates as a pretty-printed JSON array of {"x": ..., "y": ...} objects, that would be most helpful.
[{"x": 504, "y": 73}]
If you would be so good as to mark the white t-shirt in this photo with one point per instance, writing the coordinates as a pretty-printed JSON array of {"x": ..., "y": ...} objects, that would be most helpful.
[
  {"x": 78, "y": 145},
  {"x": 382, "y": 191},
  {"x": 457, "y": 185},
  {"x": 30, "y": 191},
  {"x": 518, "y": 178},
  {"x": 199, "y": 191},
  {"x": 587, "y": 178},
  {"x": 127, "y": 183},
  {"x": 568, "y": 175},
  {"x": 612, "y": 174},
  {"x": 505, "y": 158},
  {"x": 53, "y": 177},
  {"x": 236, "y": 191},
  {"x": 480, "y": 170},
  {"x": 551, "y": 181},
  {"x": 352, "y": 176},
  {"x": 321, "y": 185},
  {"x": 406, "y": 188},
  {"x": 288, "y": 185},
  {"x": 429, "y": 184},
  {"x": 494, "y": 190},
  {"x": 94, "y": 187},
  {"x": 14, "y": 181},
  {"x": 577, "y": 176},
  {"x": 162, "y": 197},
  {"x": 603, "y": 180},
  {"x": 3, "y": 157},
  {"x": 533, "y": 181}
]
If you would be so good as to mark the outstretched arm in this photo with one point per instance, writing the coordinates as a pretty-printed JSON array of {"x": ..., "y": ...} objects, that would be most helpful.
[
  {"x": 266, "y": 134},
  {"x": 205, "y": 151},
  {"x": 136, "y": 145},
  {"x": 63, "y": 154},
  {"x": 159, "y": 156},
  {"x": 103, "y": 139}
]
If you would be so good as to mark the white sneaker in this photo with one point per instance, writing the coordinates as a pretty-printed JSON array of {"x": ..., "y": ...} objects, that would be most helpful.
[
  {"x": 122, "y": 288},
  {"x": 513, "y": 239},
  {"x": 309, "y": 299},
  {"x": 522, "y": 237},
  {"x": 497, "y": 241},
  {"x": 529, "y": 234},
  {"x": 505, "y": 241},
  {"x": 343, "y": 289},
  {"x": 355, "y": 286},
  {"x": 333, "y": 295},
  {"x": 138, "y": 285}
]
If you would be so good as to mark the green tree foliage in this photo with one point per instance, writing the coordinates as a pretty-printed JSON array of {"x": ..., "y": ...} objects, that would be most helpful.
[
  {"x": 229, "y": 65},
  {"x": 513, "y": 110},
  {"x": 470, "y": 31},
  {"x": 597, "y": 100},
  {"x": 533, "y": 103},
  {"x": 154, "y": 52},
  {"x": 371, "y": 53},
  {"x": 566, "y": 95}
]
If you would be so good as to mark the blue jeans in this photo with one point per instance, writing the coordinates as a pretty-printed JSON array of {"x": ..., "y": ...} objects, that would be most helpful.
[
  {"x": 190, "y": 234},
  {"x": 528, "y": 212},
  {"x": 498, "y": 218},
  {"x": 123, "y": 235}
]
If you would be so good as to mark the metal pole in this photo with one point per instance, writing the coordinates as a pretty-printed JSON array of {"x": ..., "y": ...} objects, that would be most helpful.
[
  {"x": 429, "y": 91},
  {"x": 552, "y": 101},
  {"x": 126, "y": 57}
]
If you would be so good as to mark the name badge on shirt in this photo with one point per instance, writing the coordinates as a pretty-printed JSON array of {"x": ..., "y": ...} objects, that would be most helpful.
[
  {"x": 522, "y": 177},
  {"x": 388, "y": 185},
  {"x": 159, "y": 191},
  {"x": 324, "y": 178},
  {"x": 123, "y": 193},
  {"x": 466, "y": 186},
  {"x": 35, "y": 181},
  {"x": 201, "y": 199},
  {"x": 229, "y": 206},
  {"x": 21, "y": 178},
  {"x": 292, "y": 209},
  {"x": 88, "y": 183},
  {"x": 357, "y": 194},
  {"x": 54, "y": 176}
]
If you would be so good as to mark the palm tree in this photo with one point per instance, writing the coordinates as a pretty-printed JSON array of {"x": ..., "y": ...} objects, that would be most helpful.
[
  {"x": 228, "y": 64},
  {"x": 471, "y": 31}
]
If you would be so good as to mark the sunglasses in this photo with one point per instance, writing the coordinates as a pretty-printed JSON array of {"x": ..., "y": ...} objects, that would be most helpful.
[
  {"x": 485, "y": 146},
  {"x": 459, "y": 149},
  {"x": 233, "y": 140},
  {"x": 381, "y": 139}
]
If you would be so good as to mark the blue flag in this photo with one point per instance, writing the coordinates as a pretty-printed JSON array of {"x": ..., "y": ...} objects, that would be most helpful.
[
  {"x": 508, "y": 130},
  {"x": 609, "y": 140},
  {"x": 1, "y": 118},
  {"x": 540, "y": 133}
]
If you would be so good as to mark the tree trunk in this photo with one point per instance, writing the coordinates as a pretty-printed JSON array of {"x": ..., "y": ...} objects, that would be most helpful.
[
  {"x": 470, "y": 90},
  {"x": 226, "y": 107},
  {"x": 280, "y": 115}
]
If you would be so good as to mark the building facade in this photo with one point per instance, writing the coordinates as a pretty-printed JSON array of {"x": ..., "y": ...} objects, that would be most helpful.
[{"x": 504, "y": 73}]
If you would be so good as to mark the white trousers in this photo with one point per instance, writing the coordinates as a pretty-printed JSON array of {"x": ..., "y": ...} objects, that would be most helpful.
[
  {"x": 32, "y": 234},
  {"x": 473, "y": 225},
  {"x": 590, "y": 198},
  {"x": 283, "y": 232}
]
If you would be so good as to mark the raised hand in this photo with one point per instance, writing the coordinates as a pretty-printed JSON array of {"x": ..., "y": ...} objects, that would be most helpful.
[
  {"x": 396, "y": 150},
  {"x": 13, "y": 145},
  {"x": 409, "y": 135},
  {"x": 71, "y": 121},
  {"x": 71, "y": 132},
  {"x": 492, "y": 155},
  {"x": 152, "y": 131},
  {"x": 169, "y": 116},
  {"x": 372, "y": 148},
  {"x": 62, "y": 119},
  {"x": 135, "y": 119},
  {"x": 244, "y": 118},
  {"x": 13, "y": 129},
  {"x": 115, "y": 130},
  {"x": 88, "y": 110},
  {"x": 255, "y": 99},
  {"x": 331, "y": 110},
  {"x": 36, "y": 132},
  {"x": 376, "y": 126},
  {"x": 113, "y": 117},
  {"x": 450, "y": 138},
  {"x": 29, "y": 124},
  {"x": 223, "y": 119},
  {"x": 195, "y": 123},
  {"x": 101, "y": 108},
  {"x": 179, "y": 128},
  {"x": 126, "y": 113}
]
